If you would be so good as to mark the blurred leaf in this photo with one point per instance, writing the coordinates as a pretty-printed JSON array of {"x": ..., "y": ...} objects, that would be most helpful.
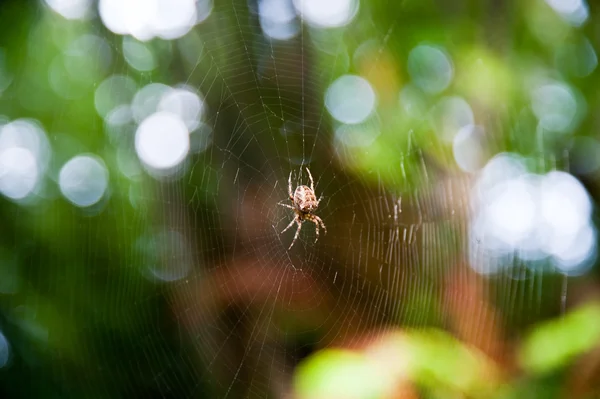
[
  {"x": 337, "y": 373},
  {"x": 432, "y": 359},
  {"x": 551, "y": 345},
  {"x": 440, "y": 361}
]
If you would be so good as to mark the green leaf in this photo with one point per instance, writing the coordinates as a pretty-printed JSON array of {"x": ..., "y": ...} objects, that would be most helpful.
[{"x": 553, "y": 344}]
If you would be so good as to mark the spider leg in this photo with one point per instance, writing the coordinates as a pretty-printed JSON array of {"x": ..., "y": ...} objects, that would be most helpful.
[
  {"x": 286, "y": 205},
  {"x": 318, "y": 219},
  {"x": 288, "y": 226},
  {"x": 290, "y": 193},
  {"x": 312, "y": 183},
  {"x": 317, "y": 231},
  {"x": 297, "y": 232}
]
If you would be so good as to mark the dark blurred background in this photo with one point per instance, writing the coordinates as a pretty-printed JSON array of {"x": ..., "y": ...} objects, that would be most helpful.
[{"x": 145, "y": 146}]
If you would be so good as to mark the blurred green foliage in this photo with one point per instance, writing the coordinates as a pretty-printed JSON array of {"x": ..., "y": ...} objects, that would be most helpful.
[{"x": 554, "y": 344}]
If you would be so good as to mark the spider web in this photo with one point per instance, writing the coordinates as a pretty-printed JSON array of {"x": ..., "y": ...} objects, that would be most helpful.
[
  {"x": 208, "y": 269},
  {"x": 255, "y": 308}
]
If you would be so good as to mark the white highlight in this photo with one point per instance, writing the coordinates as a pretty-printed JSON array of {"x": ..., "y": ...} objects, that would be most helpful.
[
  {"x": 170, "y": 126},
  {"x": 162, "y": 141},
  {"x": 146, "y": 19},
  {"x": 185, "y": 103},
  {"x": 18, "y": 172},
  {"x": 580, "y": 249},
  {"x": 511, "y": 211},
  {"x": 575, "y": 12},
  {"x": 83, "y": 180},
  {"x": 350, "y": 99},
  {"x": 468, "y": 148},
  {"x": 326, "y": 14},
  {"x": 565, "y": 205},
  {"x": 70, "y": 9},
  {"x": 535, "y": 217},
  {"x": 278, "y": 19},
  {"x": 146, "y": 100},
  {"x": 24, "y": 157}
]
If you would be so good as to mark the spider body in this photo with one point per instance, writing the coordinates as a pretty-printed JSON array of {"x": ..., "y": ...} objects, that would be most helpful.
[
  {"x": 305, "y": 199},
  {"x": 304, "y": 204}
]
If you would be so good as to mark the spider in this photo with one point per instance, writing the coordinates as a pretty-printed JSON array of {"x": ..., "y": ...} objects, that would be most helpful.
[{"x": 304, "y": 204}]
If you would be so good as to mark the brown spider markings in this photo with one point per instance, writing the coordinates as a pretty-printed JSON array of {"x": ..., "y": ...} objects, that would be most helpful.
[{"x": 304, "y": 204}]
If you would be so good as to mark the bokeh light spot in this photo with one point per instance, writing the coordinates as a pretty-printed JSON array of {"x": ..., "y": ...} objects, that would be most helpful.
[
  {"x": 577, "y": 57},
  {"x": 512, "y": 210},
  {"x": 70, "y": 9},
  {"x": 361, "y": 135},
  {"x": 565, "y": 205},
  {"x": 450, "y": 115},
  {"x": 326, "y": 14},
  {"x": 146, "y": 19},
  {"x": 278, "y": 19},
  {"x": 201, "y": 138},
  {"x": 350, "y": 99},
  {"x": 146, "y": 100},
  {"x": 575, "y": 12},
  {"x": 5, "y": 352},
  {"x": 430, "y": 68},
  {"x": 18, "y": 172},
  {"x": 535, "y": 216},
  {"x": 555, "y": 106},
  {"x": 114, "y": 91},
  {"x": 87, "y": 58},
  {"x": 468, "y": 147},
  {"x": 83, "y": 180},
  {"x": 167, "y": 255},
  {"x": 138, "y": 55},
  {"x": 162, "y": 141},
  {"x": 24, "y": 157},
  {"x": 185, "y": 103}
]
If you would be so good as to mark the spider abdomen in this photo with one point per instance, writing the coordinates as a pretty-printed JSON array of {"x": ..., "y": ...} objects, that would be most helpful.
[{"x": 305, "y": 199}]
